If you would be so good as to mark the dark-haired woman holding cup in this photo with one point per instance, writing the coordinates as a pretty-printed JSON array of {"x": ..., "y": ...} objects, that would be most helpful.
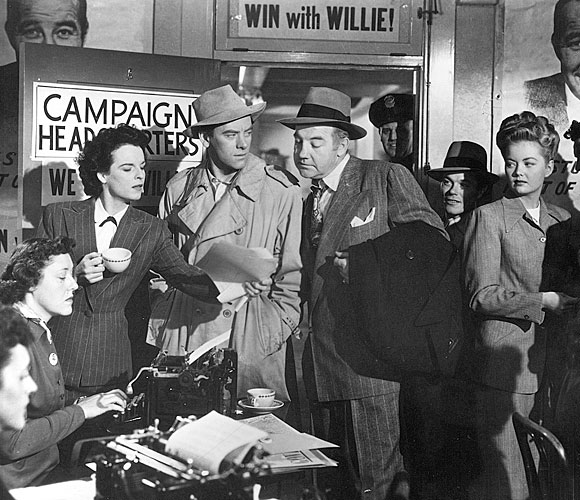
[{"x": 93, "y": 341}]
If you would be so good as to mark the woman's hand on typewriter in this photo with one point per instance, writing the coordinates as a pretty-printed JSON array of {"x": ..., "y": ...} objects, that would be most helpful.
[{"x": 93, "y": 406}]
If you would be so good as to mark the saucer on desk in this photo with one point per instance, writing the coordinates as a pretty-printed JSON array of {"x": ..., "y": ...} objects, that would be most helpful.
[{"x": 260, "y": 409}]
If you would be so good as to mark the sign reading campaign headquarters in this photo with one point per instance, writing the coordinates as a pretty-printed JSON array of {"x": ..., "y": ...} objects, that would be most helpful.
[
  {"x": 357, "y": 26},
  {"x": 66, "y": 116}
]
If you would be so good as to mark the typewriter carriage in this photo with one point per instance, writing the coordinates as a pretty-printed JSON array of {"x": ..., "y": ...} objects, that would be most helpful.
[{"x": 172, "y": 386}]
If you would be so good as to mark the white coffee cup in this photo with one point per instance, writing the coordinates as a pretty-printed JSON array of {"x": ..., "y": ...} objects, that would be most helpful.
[
  {"x": 116, "y": 259},
  {"x": 261, "y": 397}
]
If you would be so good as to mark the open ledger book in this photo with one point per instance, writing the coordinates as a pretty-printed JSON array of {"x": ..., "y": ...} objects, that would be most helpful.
[{"x": 214, "y": 442}]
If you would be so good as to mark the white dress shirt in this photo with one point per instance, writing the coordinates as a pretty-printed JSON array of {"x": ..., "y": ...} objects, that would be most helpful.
[
  {"x": 331, "y": 181},
  {"x": 105, "y": 233}
]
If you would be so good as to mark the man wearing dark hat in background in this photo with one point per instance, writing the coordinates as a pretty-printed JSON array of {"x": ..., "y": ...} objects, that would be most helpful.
[
  {"x": 393, "y": 115},
  {"x": 353, "y": 200},
  {"x": 464, "y": 182},
  {"x": 435, "y": 411},
  {"x": 234, "y": 197}
]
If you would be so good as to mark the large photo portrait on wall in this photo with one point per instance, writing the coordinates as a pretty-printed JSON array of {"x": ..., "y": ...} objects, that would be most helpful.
[
  {"x": 542, "y": 74},
  {"x": 76, "y": 23}
]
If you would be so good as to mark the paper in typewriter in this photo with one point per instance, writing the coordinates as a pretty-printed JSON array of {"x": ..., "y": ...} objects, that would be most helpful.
[
  {"x": 214, "y": 442},
  {"x": 230, "y": 266}
]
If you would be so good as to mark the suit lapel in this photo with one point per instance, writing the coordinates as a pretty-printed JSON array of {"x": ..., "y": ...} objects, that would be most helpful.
[
  {"x": 335, "y": 227},
  {"x": 560, "y": 106},
  {"x": 80, "y": 222}
]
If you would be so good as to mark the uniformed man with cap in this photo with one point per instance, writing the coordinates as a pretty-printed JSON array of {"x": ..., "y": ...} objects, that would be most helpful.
[{"x": 392, "y": 114}]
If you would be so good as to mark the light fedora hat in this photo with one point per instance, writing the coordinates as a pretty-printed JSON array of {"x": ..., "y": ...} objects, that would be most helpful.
[
  {"x": 325, "y": 106},
  {"x": 464, "y": 156},
  {"x": 218, "y": 106}
]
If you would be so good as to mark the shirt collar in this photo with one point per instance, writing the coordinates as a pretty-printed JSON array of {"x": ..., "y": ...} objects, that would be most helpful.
[
  {"x": 215, "y": 181},
  {"x": 514, "y": 211},
  {"x": 452, "y": 220},
  {"x": 250, "y": 179},
  {"x": 101, "y": 214},
  {"x": 333, "y": 178},
  {"x": 29, "y": 314}
]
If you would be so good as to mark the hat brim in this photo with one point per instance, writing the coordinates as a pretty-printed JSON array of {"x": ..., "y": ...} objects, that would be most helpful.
[
  {"x": 439, "y": 173},
  {"x": 354, "y": 131},
  {"x": 227, "y": 116}
]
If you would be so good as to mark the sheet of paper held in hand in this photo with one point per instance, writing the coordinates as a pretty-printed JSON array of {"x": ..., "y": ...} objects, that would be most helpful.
[
  {"x": 230, "y": 266},
  {"x": 210, "y": 439}
]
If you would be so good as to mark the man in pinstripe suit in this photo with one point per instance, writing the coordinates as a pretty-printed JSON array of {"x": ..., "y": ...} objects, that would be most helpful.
[
  {"x": 355, "y": 400},
  {"x": 92, "y": 342}
]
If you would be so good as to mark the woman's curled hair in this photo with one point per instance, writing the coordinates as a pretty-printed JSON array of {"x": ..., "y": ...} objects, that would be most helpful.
[
  {"x": 26, "y": 264},
  {"x": 96, "y": 156},
  {"x": 526, "y": 126}
]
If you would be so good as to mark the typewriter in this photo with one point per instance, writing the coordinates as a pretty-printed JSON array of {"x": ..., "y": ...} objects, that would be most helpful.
[
  {"x": 137, "y": 467},
  {"x": 177, "y": 386}
]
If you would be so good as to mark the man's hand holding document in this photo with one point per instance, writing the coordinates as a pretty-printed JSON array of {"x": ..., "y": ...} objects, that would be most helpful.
[{"x": 235, "y": 270}]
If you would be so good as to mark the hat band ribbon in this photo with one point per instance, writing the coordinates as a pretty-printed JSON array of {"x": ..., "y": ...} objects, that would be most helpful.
[
  {"x": 318, "y": 111},
  {"x": 464, "y": 162}
]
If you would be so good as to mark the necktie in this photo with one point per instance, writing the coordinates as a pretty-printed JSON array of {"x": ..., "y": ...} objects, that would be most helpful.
[
  {"x": 108, "y": 219},
  {"x": 318, "y": 187}
]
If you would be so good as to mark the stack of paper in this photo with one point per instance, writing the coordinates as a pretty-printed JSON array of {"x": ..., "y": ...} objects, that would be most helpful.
[
  {"x": 289, "y": 449},
  {"x": 214, "y": 442}
]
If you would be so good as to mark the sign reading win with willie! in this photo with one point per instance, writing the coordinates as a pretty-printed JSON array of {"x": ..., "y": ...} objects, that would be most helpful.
[{"x": 360, "y": 20}]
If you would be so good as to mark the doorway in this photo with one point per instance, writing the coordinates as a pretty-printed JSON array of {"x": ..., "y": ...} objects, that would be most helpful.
[{"x": 284, "y": 89}]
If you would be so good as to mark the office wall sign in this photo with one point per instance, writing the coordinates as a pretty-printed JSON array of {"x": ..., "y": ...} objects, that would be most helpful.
[
  {"x": 355, "y": 26},
  {"x": 65, "y": 116}
]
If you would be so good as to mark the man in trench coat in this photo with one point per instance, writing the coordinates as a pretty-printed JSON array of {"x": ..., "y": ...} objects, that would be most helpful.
[{"x": 234, "y": 197}]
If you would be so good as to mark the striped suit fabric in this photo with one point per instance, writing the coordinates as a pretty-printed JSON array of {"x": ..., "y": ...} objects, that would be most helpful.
[
  {"x": 335, "y": 358},
  {"x": 92, "y": 342}
]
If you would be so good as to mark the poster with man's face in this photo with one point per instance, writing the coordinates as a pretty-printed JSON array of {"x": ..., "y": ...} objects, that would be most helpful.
[
  {"x": 125, "y": 25},
  {"x": 542, "y": 74},
  {"x": 112, "y": 24}
]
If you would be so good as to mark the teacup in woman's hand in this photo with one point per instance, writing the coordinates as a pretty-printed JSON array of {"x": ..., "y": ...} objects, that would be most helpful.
[{"x": 116, "y": 259}]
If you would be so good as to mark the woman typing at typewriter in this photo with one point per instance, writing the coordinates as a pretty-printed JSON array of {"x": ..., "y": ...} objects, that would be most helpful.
[{"x": 39, "y": 283}]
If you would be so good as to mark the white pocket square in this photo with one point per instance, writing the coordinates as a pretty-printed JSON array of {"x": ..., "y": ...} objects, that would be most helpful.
[{"x": 356, "y": 222}]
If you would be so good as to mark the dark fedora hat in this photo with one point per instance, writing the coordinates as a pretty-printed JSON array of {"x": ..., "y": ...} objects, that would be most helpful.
[
  {"x": 464, "y": 156},
  {"x": 218, "y": 106},
  {"x": 392, "y": 108},
  {"x": 326, "y": 106}
]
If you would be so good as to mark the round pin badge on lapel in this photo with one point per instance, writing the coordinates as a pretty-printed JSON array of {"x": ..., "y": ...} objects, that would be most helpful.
[{"x": 53, "y": 359}]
